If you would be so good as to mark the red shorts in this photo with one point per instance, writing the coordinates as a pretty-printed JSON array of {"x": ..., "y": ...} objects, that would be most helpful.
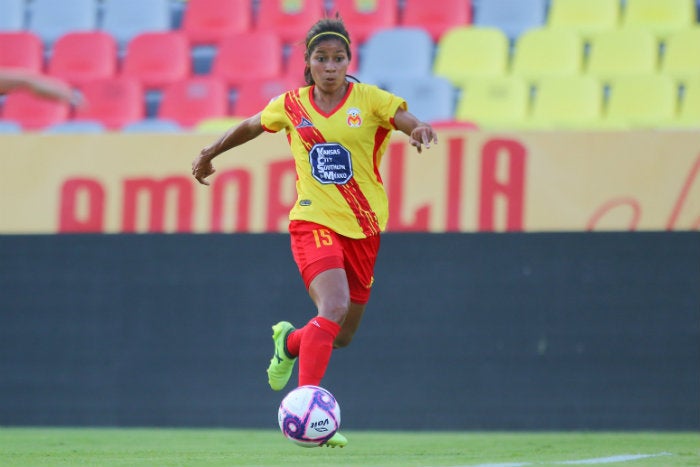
[{"x": 317, "y": 248}]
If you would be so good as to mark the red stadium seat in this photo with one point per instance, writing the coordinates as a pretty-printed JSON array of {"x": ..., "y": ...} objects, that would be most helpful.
[
  {"x": 291, "y": 20},
  {"x": 253, "y": 96},
  {"x": 193, "y": 99},
  {"x": 436, "y": 19},
  {"x": 249, "y": 56},
  {"x": 364, "y": 18},
  {"x": 209, "y": 21},
  {"x": 114, "y": 102},
  {"x": 33, "y": 112},
  {"x": 80, "y": 57},
  {"x": 157, "y": 59},
  {"x": 21, "y": 49}
]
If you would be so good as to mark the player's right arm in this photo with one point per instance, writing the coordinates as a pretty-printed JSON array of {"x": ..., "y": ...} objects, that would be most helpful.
[{"x": 245, "y": 131}]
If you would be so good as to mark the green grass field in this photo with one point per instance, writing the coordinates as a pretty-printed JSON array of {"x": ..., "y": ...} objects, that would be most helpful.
[{"x": 60, "y": 447}]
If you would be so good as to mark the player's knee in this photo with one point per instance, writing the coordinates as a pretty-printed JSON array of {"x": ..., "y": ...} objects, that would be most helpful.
[
  {"x": 343, "y": 339},
  {"x": 335, "y": 310}
]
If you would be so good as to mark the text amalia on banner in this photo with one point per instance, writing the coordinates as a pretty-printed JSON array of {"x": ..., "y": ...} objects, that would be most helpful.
[
  {"x": 469, "y": 182},
  {"x": 509, "y": 191}
]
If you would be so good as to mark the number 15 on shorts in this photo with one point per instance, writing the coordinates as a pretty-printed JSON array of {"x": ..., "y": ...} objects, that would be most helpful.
[{"x": 322, "y": 237}]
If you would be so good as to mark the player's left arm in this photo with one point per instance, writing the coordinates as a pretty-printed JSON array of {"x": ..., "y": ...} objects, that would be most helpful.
[{"x": 420, "y": 133}]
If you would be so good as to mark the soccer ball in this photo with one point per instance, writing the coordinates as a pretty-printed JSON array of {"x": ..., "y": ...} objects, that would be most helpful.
[{"x": 309, "y": 416}]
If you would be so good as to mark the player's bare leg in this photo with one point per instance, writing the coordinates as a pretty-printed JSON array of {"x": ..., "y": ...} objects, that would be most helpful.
[{"x": 350, "y": 325}]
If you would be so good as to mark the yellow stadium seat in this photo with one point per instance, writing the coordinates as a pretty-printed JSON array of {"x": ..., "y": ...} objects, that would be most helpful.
[
  {"x": 494, "y": 102},
  {"x": 642, "y": 101},
  {"x": 622, "y": 52},
  {"x": 465, "y": 51},
  {"x": 544, "y": 52},
  {"x": 689, "y": 109},
  {"x": 567, "y": 102},
  {"x": 681, "y": 56},
  {"x": 661, "y": 17},
  {"x": 217, "y": 124},
  {"x": 586, "y": 17}
]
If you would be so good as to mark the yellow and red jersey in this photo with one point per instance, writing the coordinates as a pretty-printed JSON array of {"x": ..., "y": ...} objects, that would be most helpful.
[{"x": 337, "y": 156}]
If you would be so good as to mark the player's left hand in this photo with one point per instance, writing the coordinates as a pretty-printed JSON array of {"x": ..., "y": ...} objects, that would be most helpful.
[{"x": 423, "y": 135}]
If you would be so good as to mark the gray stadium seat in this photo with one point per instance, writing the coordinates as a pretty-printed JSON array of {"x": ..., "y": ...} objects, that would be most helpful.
[
  {"x": 430, "y": 98},
  {"x": 512, "y": 16},
  {"x": 13, "y": 15},
  {"x": 408, "y": 51},
  {"x": 125, "y": 19}
]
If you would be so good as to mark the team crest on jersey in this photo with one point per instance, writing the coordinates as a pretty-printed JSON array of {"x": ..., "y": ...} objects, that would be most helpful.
[
  {"x": 305, "y": 123},
  {"x": 354, "y": 118}
]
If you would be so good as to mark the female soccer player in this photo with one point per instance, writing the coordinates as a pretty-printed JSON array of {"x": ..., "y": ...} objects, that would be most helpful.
[{"x": 337, "y": 131}]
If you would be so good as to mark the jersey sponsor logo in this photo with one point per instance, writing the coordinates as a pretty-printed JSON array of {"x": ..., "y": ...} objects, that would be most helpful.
[
  {"x": 354, "y": 119},
  {"x": 330, "y": 163},
  {"x": 305, "y": 123}
]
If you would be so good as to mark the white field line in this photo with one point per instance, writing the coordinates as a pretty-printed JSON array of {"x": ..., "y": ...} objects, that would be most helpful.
[
  {"x": 595, "y": 461},
  {"x": 612, "y": 459}
]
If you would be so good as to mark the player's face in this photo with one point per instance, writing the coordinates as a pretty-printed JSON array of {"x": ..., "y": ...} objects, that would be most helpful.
[{"x": 328, "y": 63}]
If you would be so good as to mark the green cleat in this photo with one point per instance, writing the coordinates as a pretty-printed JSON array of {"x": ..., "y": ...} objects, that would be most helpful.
[
  {"x": 281, "y": 364},
  {"x": 336, "y": 441}
]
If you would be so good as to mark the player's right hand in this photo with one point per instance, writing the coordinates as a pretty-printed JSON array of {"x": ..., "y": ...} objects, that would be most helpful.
[{"x": 202, "y": 168}]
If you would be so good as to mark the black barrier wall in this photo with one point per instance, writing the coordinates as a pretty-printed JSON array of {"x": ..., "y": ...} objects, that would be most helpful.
[{"x": 464, "y": 331}]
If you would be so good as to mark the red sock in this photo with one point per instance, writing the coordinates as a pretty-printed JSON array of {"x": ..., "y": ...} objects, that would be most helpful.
[
  {"x": 315, "y": 348},
  {"x": 294, "y": 341}
]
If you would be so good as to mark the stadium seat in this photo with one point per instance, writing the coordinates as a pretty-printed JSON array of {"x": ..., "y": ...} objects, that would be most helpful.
[
  {"x": 191, "y": 100},
  {"x": 289, "y": 19},
  {"x": 660, "y": 17},
  {"x": 641, "y": 101},
  {"x": 681, "y": 56},
  {"x": 513, "y": 17},
  {"x": 216, "y": 124},
  {"x": 253, "y": 96},
  {"x": 21, "y": 49},
  {"x": 543, "y": 52},
  {"x": 469, "y": 51},
  {"x": 433, "y": 18},
  {"x": 362, "y": 18},
  {"x": 10, "y": 126},
  {"x": 157, "y": 59},
  {"x": 494, "y": 102},
  {"x": 409, "y": 50},
  {"x": 76, "y": 126},
  {"x": 153, "y": 125},
  {"x": 33, "y": 112},
  {"x": 689, "y": 107},
  {"x": 79, "y": 57},
  {"x": 622, "y": 52},
  {"x": 125, "y": 19},
  {"x": 13, "y": 15},
  {"x": 50, "y": 19},
  {"x": 114, "y": 102},
  {"x": 249, "y": 56},
  {"x": 584, "y": 17},
  {"x": 430, "y": 98},
  {"x": 567, "y": 102},
  {"x": 209, "y": 21},
  {"x": 294, "y": 63}
]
